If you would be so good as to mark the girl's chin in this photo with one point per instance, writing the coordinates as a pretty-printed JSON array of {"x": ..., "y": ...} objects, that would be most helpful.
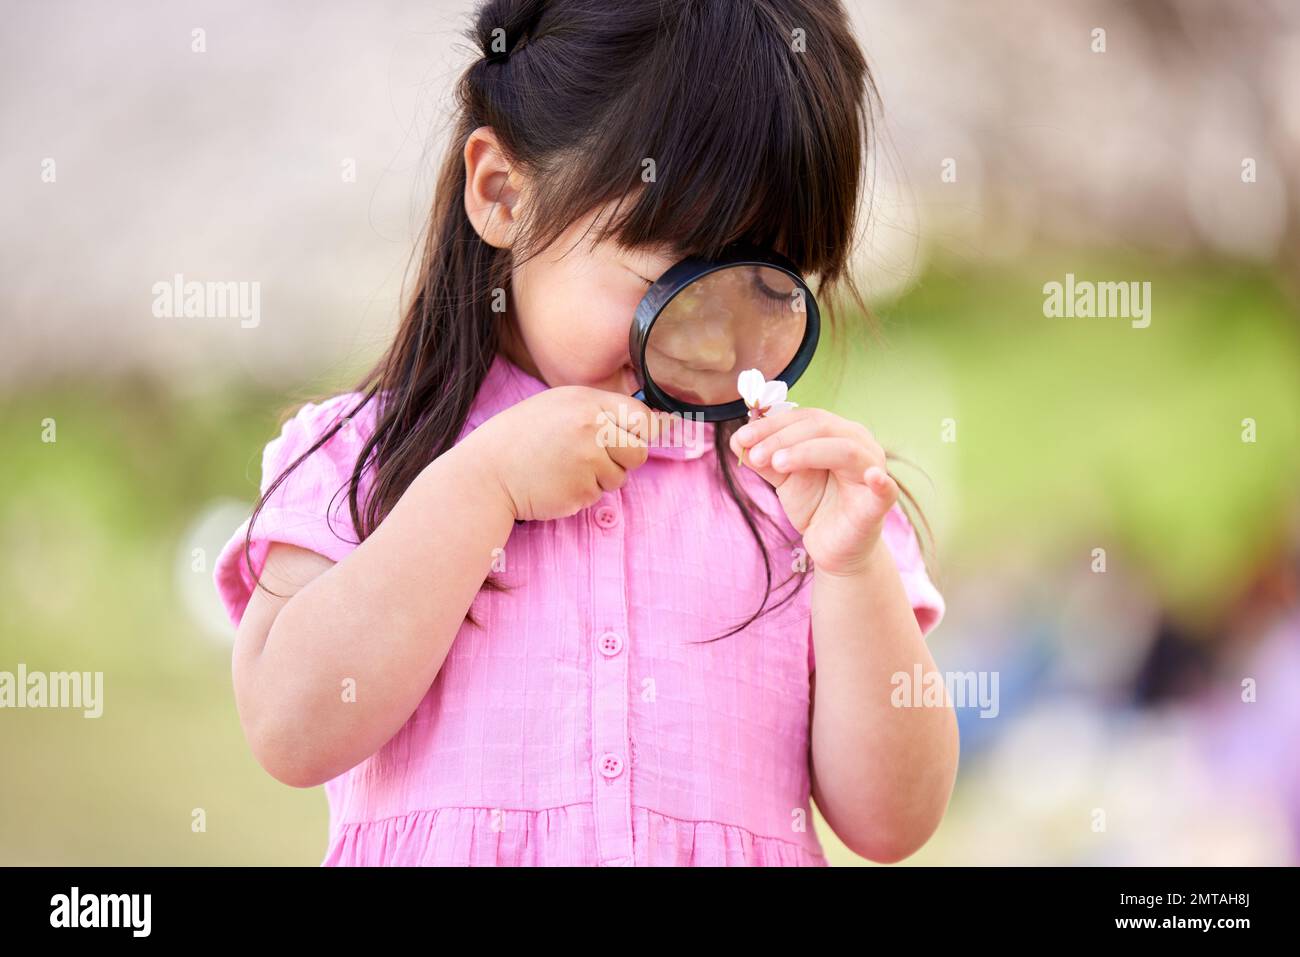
[{"x": 623, "y": 381}]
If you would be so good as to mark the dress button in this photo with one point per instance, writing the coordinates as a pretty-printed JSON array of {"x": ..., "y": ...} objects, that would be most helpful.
[
  {"x": 611, "y": 765},
  {"x": 611, "y": 643},
  {"x": 606, "y": 516}
]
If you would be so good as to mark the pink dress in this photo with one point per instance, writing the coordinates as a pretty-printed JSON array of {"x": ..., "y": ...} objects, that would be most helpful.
[{"x": 589, "y": 723}]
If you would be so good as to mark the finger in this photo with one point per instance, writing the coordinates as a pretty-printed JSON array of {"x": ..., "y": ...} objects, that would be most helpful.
[
  {"x": 884, "y": 492},
  {"x": 629, "y": 450},
  {"x": 610, "y": 475},
  {"x": 811, "y": 427},
  {"x": 621, "y": 445},
  {"x": 766, "y": 431},
  {"x": 631, "y": 414},
  {"x": 611, "y": 480},
  {"x": 846, "y": 458},
  {"x": 767, "y": 473},
  {"x": 755, "y": 430}
]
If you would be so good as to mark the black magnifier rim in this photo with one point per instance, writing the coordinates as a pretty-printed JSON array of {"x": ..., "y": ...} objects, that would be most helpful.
[{"x": 677, "y": 278}]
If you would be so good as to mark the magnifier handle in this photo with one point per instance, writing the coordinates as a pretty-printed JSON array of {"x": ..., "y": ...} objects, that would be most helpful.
[
  {"x": 655, "y": 404},
  {"x": 639, "y": 395}
]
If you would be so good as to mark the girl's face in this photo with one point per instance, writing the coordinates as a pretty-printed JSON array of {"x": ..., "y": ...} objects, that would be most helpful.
[
  {"x": 572, "y": 307},
  {"x": 572, "y": 304}
]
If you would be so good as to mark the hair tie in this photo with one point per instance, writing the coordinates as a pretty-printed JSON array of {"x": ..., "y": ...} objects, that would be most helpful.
[
  {"x": 494, "y": 57},
  {"x": 524, "y": 24}
]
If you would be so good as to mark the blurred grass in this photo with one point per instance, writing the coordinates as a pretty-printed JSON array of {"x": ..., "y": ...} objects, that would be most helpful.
[
  {"x": 92, "y": 530},
  {"x": 1071, "y": 434}
]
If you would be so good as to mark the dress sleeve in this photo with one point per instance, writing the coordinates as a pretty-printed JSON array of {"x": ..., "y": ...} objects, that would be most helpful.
[
  {"x": 926, "y": 601},
  {"x": 310, "y": 507}
]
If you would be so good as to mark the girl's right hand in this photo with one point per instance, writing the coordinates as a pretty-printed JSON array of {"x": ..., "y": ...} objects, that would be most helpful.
[{"x": 556, "y": 452}]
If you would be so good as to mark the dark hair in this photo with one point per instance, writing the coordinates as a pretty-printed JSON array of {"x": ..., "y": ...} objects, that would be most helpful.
[{"x": 756, "y": 114}]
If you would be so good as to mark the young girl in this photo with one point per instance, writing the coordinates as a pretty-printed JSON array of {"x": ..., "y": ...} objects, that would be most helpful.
[{"x": 497, "y": 638}]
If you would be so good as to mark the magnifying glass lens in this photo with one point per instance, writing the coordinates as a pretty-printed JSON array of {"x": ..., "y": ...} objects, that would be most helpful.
[{"x": 736, "y": 318}]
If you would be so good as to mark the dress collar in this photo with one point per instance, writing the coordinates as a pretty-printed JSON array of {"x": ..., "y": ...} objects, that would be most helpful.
[{"x": 506, "y": 385}]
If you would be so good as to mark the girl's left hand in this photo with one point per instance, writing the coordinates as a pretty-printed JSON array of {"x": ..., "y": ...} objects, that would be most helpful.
[{"x": 830, "y": 475}]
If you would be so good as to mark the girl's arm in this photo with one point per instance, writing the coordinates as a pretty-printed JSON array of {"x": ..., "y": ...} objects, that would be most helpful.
[
  {"x": 881, "y": 775},
  {"x": 326, "y": 674},
  {"x": 379, "y": 622}
]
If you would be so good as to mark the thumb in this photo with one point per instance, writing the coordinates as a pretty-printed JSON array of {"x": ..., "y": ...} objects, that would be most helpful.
[
  {"x": 766, "y": 472},
  {"x": 634, "y": 416}
]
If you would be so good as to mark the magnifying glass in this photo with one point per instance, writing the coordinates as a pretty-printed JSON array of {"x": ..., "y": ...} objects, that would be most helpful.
[{"x": 705, "y": 321}]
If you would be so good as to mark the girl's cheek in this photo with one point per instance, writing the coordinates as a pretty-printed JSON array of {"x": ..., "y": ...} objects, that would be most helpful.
[
  {"x": 606, "y": 322},
  {"x": 578, "y": 322}
]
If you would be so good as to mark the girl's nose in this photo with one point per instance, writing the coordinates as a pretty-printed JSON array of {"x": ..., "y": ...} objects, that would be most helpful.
[{"x": 716, "y": 354}]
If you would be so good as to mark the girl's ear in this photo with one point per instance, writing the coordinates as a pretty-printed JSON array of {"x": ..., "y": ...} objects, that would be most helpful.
[{"x": 494, "y": 190}]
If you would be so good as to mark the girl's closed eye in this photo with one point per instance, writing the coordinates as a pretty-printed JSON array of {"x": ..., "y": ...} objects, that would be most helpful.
[{"x": 646, "y": 265}]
